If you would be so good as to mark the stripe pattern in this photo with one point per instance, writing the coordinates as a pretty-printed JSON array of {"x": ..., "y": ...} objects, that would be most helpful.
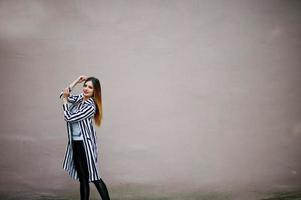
[{"x": 84, "y": 117}]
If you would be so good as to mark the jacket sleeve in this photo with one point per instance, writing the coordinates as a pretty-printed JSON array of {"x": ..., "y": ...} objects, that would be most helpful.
[
  {"x": 83, "y": 113},
  {"x": 72, "y": 98}
]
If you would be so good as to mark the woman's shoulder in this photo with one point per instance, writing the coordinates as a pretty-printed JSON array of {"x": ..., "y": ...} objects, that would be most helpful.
[{"x": 90, "y": 102}]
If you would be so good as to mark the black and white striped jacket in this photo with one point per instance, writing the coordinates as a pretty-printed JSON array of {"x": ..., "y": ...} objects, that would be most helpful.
[{"x": 84, "y": 117}]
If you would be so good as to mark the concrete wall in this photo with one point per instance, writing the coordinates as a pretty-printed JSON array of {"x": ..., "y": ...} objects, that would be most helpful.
[{"x": 195, "y": 92}]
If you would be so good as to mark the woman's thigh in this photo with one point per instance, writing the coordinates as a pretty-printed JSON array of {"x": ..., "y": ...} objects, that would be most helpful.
[{"x": 80, "y": 161}]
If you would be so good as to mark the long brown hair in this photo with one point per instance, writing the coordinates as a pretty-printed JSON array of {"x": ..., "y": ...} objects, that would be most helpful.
[{"x": 97, "y": 98}]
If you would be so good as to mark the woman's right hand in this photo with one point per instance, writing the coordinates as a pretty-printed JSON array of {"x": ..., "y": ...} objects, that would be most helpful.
[{"x": 81, "y": 79}]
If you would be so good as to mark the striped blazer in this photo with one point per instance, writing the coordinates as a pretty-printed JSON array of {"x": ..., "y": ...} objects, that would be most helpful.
[{"x": 84, "y": 117}]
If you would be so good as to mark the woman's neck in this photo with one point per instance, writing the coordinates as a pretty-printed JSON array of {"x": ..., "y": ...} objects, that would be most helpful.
[{"x": 85, "y": 98}]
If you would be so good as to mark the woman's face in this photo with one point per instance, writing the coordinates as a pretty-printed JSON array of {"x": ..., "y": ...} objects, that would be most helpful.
[{"x": 88, "y": 89}]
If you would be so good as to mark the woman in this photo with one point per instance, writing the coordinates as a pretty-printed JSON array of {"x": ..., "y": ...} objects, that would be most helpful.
[{"x": 81, "y": 153}]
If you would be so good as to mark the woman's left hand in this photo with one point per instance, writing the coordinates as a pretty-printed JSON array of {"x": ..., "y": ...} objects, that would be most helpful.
[{"x": 66, "y": 92}]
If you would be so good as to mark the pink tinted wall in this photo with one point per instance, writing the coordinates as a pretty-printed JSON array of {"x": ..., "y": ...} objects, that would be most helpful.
[{"x": 195, "y": 92}]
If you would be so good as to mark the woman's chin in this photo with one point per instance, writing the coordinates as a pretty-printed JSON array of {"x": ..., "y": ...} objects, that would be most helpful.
[{"x": 87, "y": 95}]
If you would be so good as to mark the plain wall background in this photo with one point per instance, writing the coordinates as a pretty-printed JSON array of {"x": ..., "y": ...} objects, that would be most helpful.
[{"x": 194, "y": 92}]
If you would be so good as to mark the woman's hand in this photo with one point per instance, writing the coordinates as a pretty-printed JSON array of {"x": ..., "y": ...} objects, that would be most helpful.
[
  {"x": 66, "y": 92},
  {"x": 81, "y": 79}
]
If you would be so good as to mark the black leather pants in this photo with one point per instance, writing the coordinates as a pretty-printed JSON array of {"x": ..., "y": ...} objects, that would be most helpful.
[{"x": 82, "y": 171}]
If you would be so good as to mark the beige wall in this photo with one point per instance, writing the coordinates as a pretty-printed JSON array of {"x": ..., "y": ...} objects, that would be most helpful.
[{"x": 199, "y": 92}]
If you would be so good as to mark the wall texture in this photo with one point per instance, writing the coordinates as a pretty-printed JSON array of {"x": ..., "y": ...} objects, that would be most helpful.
[{"x": 195, "y": 92}]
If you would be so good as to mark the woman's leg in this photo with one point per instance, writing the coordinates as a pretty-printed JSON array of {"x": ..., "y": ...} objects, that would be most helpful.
[
  {"x": 102, "y": 189},
  {"x": 81, "y": 168}
]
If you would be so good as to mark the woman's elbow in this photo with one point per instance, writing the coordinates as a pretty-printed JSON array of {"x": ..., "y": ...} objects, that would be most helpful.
[{"x": 67, "y": 118}]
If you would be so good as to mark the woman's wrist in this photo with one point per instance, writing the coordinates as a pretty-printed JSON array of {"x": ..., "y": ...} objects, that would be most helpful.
[
  {"x": 65, "y": 100},
  {"x": 69, "y": 88}
]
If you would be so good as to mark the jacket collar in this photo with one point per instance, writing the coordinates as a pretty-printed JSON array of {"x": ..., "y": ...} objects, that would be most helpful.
[{"x": 81, "y": 98}]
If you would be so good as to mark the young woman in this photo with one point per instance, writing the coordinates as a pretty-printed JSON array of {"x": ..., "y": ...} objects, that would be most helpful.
[{"x": 81, "y": 154}]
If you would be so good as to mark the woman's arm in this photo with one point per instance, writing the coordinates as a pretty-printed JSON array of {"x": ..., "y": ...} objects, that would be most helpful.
[
  {"x": 80, "y": 79},
  {"x": 66, "y": 91},
  {"x": 83, "y": 113}
]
